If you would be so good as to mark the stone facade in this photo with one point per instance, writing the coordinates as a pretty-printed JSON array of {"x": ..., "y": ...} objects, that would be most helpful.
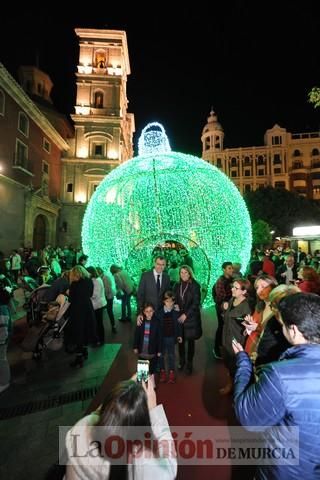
[
  {"x": 103, "y": 127},
  {"x": 286, "y": 160}
]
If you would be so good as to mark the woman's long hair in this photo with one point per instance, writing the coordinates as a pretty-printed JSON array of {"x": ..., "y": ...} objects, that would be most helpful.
[{"x": 126, "y": 405}]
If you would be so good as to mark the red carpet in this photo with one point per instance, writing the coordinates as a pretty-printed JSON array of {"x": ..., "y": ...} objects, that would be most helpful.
[{"x": 194, "y": 401}]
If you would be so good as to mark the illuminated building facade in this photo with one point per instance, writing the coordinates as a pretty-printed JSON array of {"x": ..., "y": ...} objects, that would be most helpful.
[
  {"x": 103, "y": 126},
  {"x": 286, "y": 160}
]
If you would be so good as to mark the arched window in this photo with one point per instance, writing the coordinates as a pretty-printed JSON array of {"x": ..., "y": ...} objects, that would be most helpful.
[
  {"x": 233, "y": 162},
  {"x": 100, "y": 57},
  {"x": 315, "y": 151},
  {"x": 296, "y": 153},
  {"x": 260, "y": 160},
  {"x": 98, "y": 99},
  {"x": 247, "y": 161}
]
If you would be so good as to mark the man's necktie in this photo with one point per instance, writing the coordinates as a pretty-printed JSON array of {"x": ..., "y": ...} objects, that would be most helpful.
[{"x": 158, "y": 283}]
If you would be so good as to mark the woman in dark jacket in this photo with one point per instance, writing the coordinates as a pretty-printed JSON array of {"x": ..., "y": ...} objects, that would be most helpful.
[
  {"x": 187, "y": 295},
  {"x": 81, "y": 328},
  {"x": 234, "y": 313}
]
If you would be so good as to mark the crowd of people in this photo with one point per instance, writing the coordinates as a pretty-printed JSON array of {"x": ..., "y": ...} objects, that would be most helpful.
[{"x": 268, "y": 336}]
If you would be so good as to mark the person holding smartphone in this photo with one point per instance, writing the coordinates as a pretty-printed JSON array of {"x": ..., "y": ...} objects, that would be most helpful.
[{"x": 129, "y": 407}]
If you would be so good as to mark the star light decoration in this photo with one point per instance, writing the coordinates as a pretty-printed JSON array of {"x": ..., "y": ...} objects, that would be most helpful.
[{"x": 162, "y": 196}]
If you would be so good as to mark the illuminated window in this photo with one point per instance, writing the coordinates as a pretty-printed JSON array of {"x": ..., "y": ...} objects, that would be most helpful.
[{"x": 98, "y": 99}]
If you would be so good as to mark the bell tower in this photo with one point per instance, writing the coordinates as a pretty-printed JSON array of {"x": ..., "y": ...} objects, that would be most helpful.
[
  {"x": 103, "y": 127},
  {"x": 212, "y": 138}
]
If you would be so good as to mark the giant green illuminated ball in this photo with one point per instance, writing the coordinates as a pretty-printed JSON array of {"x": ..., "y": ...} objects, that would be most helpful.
[{"x": 162, "y": 196}]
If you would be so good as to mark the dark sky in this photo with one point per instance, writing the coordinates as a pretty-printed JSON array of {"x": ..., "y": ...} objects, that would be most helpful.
[{"x": 254, "y": 62}]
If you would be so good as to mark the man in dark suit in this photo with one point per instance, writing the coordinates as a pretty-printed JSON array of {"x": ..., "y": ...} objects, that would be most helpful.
[{"x": 153, "y": 284}]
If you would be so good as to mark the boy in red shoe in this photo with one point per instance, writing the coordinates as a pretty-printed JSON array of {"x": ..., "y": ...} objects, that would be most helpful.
[{"x": 171, "y": 333}]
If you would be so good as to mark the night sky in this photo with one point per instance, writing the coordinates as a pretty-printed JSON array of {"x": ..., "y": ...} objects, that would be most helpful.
[{"x": 254, "y": 62}]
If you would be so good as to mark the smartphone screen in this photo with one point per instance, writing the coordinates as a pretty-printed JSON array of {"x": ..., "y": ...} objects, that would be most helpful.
[{"x": 142, "y": 370}]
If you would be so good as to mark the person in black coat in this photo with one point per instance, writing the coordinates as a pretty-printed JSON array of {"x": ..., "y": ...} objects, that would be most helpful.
[
  {"x": 188, "y": 295},
  {"x": 153, "y": 284},
  {"x": 147, "y": 338},
  {"x": 81, "y": 329}
]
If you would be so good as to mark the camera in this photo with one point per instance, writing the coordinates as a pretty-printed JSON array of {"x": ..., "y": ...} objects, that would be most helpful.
[{"x": 142, "y": 370}]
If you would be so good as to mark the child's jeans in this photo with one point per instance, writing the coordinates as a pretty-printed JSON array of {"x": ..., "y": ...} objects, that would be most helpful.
[{"x": 169, "y": 348}]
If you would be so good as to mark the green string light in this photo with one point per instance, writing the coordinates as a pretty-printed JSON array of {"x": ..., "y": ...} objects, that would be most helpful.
[{"x": 163, "y": 196}]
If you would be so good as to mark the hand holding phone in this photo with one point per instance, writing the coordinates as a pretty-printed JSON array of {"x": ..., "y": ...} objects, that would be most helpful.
[{"x": 236, "y": 346}]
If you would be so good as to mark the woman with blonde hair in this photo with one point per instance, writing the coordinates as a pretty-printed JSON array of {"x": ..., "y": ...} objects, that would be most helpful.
[
  {"x": 81, "y": 328},
  {"x": 255, "y": 324},
  {"x": 272, "y": 343}
]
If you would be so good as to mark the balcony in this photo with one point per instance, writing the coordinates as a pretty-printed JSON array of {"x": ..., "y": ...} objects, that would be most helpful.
[
  {"x": 299, "y": 167},
  {"x": 315, "y": 167}
]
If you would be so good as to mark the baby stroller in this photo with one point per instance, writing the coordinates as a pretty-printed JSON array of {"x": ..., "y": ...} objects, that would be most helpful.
[
  {"x": 55, "y": 320},
  {"x": 36, "y": 305},
  {"x": 48, "y": 335}
]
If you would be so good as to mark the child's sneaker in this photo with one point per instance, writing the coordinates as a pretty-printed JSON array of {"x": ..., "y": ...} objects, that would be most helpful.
[
  {"x": 163, "y": 376},
  {"x": 172, "y": 378}
]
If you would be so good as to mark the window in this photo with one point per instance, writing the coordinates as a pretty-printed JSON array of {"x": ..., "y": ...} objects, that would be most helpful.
[
  {"x": 296, "y": 153},
  {"x": 23, "y": 124},
  {"x": 297, "y": 165},
  {"x": 260, "y": 171},
  {"x": 46, "y": 145},
  {"x": 98, "y": 149},
  {"x": 45, "y": 188},
  {"x": 315, "y": 151},
  {"x": 2, "y": 102},
  {"x": 45, "y": 167},
  {"x": 69, "y": 187},
  {"x": 260, "y": 160},
  {"x": 233, "y": 173},
  {"x": 247, "y": 188},
  {"x": 98, "y": 100},
  {"x": 21, "y": 156},
  {"x": 277, "y": 170},
  {"x": 247, "y": 173},
  {"x": 207, "y": 143},
  {"x": 276, "y": 158},
  {"x": 233, "y": 162},
  {"x": 280, "y": 184},
  {"x": 219, "y": 163},
  {"x": 276, "y": 140},
  {"x": 247, "y": 161}
]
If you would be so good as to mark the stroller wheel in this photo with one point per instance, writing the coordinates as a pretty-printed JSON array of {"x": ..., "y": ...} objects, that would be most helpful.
[{"x": 36, "y": 356}]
